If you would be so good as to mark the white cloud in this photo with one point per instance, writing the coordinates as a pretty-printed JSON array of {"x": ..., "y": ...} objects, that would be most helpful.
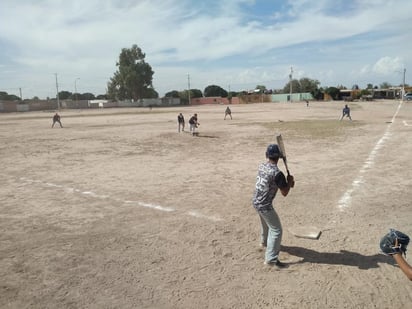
[
  {"x": 219, "y": 42},
  {"x": 388, "y": 65}
]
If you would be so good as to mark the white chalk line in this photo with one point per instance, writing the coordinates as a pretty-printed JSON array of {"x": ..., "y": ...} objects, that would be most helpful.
[
  {"x": 346, "y": 199},
  {"x": 199, "y": 215},
  {"x": 195, "y": 214},
  {"x": 157, "y": 207},
  {"x": 406, "y": 124}
]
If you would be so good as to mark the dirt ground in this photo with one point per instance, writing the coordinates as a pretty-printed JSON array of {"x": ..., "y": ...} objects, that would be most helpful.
[{"x": 119, "y": 210}]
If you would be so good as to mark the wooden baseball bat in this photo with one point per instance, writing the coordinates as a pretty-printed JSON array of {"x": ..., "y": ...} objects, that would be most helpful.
[
  {"x": 279, "y": 140},
  {"x": 281, "y": 145}
]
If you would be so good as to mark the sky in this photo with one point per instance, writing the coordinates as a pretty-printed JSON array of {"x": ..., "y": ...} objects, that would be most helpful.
[{"x": 235, "y": 44}]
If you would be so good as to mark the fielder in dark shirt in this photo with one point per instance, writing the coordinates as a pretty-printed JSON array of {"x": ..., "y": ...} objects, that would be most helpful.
[{"x": 56, "y": 118}]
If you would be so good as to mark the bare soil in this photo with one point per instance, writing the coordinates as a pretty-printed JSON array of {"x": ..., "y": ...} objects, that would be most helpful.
[{"x": 119, "y": 210}]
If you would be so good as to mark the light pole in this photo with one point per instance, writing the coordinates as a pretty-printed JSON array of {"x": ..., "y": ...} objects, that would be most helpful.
[
  {"x": 403, "y": 83},
  {"x": 402, "y": 91},
  {"x": 57, "y": 90},
  {"x": 290, "y": 84},
  {"x": 188, "y": 87},
  {"x": 75, "y": 88}
]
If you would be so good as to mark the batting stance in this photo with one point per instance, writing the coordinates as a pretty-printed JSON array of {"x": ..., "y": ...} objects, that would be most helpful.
[{"x": 269, "y": 180}]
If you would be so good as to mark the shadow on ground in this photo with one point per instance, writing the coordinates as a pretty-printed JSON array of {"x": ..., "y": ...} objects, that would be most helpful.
[
  {"x": 343, "y": 257},
  {"x": 207, "y": 136}
]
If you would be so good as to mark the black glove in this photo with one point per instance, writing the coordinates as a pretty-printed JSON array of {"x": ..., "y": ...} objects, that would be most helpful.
[{"x": 394, "y": 242}]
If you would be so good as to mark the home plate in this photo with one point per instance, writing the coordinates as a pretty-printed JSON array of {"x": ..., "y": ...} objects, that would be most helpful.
[{"x": 310, "y": 232}]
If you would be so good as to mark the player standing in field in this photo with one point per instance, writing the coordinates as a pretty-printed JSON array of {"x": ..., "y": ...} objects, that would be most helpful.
[
  {"x": 228, "y": 112},
  {"x": 346, "y": 112},
  {"x": 193, "y": 123},
  {"x": 56, "y": 118},
  {"x": 180, "y": 122},
  {"x": 269, "y": 180}
]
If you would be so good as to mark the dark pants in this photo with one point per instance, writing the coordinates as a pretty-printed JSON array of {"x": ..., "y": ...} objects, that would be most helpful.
[{"x": 54, "y": 122}]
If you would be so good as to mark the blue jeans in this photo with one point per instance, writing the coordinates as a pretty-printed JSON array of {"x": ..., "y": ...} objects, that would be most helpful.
[{"x": 271, "y": 234}]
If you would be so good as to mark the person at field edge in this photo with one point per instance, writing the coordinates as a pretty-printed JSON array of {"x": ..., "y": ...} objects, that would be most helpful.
[
  {"x": 180, "y": 122},
  {"x": 56, "y": 118},
  {"x": 269, "y": 180},
  {"x": 193, "y": 122},
  {"x": 228, "y": 112},
  {"x": 346, "y": 112}
]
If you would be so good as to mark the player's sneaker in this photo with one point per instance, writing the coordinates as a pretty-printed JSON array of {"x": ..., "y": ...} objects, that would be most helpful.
[{"x": 277, "y": 264}]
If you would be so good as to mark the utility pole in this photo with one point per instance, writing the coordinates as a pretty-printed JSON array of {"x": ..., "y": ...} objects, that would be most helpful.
[
  {"x": 21, "y": 97},
  {"x": 290, "y": 84},
  {"x": 75, "y": 88},
  {"x": 57, "y": 89},
  {"x": 188, "y": 87},
  {"x": 403, "y": 84}
]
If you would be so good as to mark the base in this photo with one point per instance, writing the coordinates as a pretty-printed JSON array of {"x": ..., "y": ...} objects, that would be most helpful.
[{"x": 310, "y": 232}]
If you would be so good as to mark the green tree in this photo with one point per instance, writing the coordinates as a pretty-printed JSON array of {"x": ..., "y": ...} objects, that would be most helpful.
[
  {"x": 369, "y": 86},
  {"x": 86, "y": 96},
  {"x": 295, "y": 87},
  {"x": 333, "y": 92},
  {"x": 184, "y": 95},
  {"x": 303, "y": 85},
  {"x": 8, "y": 97},
  {"x": 196, "y": 93},
  {"x": 150, "y": 93},
  {"x": 318, "y": 94},
  {"x": 262, "y": 88},
  {"x": 172, "y": 94},
  {"x": 64, "y": 95},
  {"x": 385, "y": 85},
  {"x": 365, "y": 92},
  {"x": 75, "y": 96},
  {"x": 133, "y": 77},
  {"x": 232, "y": 94},
  {"x": 215, "y": 91},
  {"x": 310, "y": 85}
]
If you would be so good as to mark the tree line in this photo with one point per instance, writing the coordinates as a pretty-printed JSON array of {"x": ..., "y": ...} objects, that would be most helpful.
[{"x": 134, "y": 76}]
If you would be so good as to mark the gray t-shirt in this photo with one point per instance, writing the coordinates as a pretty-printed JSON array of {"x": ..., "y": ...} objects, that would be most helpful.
[{"x": 269, "y": 179}]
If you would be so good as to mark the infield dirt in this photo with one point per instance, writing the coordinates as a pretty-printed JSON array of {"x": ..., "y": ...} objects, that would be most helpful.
[{"x": 119, "y": 210}]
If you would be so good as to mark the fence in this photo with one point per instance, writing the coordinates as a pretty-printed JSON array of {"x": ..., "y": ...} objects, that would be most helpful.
[{"x": 42, "y": 105}]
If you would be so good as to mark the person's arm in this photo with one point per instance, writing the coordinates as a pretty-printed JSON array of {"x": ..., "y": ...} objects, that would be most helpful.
[
  {"x": 284, "y": 183},
  {"x": 403, "y": 265}
]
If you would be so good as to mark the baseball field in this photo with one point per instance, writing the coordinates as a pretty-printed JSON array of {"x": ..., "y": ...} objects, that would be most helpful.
[{"x": 119, "y": 210}]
